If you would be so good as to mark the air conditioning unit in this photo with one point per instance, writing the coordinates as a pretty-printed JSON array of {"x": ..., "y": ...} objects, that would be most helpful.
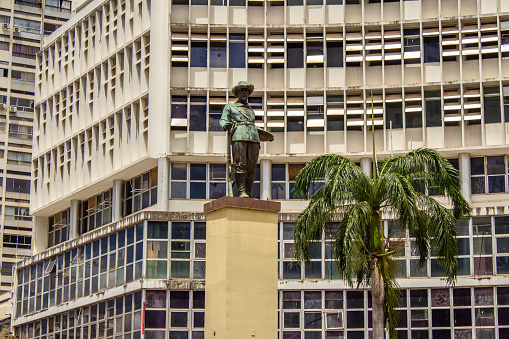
[
  {"x": 13, "y": 109},
  {"x": 6, "y": 26},
  {"x": 16, "y": 30},
  {"x": 3, "y": 106}
]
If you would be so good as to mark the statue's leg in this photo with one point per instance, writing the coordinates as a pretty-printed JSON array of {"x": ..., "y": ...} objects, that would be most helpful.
[
  {"x": 239, "y": 149},
  {"x": 253, "y": 151}
]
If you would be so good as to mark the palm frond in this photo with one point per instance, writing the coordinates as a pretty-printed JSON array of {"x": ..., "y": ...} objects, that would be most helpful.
[
  {"x": 426, "y": 167},
  {"x": 350, "y": 248},
  {"x": 442, "y": 229}
]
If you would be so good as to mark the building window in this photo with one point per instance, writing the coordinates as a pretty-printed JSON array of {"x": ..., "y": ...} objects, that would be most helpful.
[
  {"x": 202, "y": 181},
  {"x": 17, "y": 213},
  {"x": 28, "y": 26},
  {"x": 105, "y": 263},
  {"x": 185, "y": 253},
  {"x": 17, "y": 185},
  {"x": 95, "y": 211},
  {"x": 237, "y": 50},
  {"x": 17, "y": 241},
  {"x": 140, "y": 192},
  {"x": 19, "y": 158},
  {"x": 433, "y": 106},
  {"x": 20, "y": 132},
  {"x": 492, "y": 105},
  {"x": 394, "y": 115},
  {"x": 431, "y": 49},
  {"x": 488, "y": 174},
  {"x": 295, "y": 55},
  {"x": 58, "y": 228}
]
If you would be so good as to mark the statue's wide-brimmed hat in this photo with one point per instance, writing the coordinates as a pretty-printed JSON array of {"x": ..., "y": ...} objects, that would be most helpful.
[{"x": 242, "y": 84}]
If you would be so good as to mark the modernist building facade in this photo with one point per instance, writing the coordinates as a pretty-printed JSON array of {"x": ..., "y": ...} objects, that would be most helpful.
[
  {"x": 22, "y": 26},
  {"x": 127, "y": 149}
]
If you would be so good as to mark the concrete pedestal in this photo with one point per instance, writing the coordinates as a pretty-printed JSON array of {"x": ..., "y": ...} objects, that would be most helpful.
[{"x": 241, "y": 279}]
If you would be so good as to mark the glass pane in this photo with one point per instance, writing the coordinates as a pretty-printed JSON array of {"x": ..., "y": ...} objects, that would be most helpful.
[
  {"x": 291, "y": 270},
  {"x": 155, "y": 299},
  {"x": 503, "y": 265},
  {"x": 355, "y": 319},
  {"x": 313, "y": 270},
  {"x": 501, "y": 225},
  {"x": 496, "y": 184},
  {"x": 155, "y": 319},
  {"x": 312, "y": 300},
  {"x": 180, "y": 269},
  {"x": 482, "y": 245},
  {"x": 483, "y": 296},
  {"x": 477, "y": 166},
  {"x": 495, "y": 165},
  {"x": 503, "y": 245},
  {"x": 178, "y": 171},
  {"x": 178, "y": 190},
  {"x": 461, "y": 297},
  {"x": 477, "y": 185},
  {"x": 291, "y": 319},
  {"x": 181, "y": 230},
  {"x": 157, "y": 269},
  {"x": 199, "y": 269},
  {"x": 198, "y": 172},
  {"x": 198, "y": 190},
  {"x": 312, "y": 320},
  {"x": 463, "y": 246}
]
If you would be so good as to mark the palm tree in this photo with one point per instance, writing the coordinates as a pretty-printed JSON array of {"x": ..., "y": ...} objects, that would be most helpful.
[{"x": 395, "y": 190}]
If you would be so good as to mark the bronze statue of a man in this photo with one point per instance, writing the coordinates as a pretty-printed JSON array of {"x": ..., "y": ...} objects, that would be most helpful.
[{"x": 239, "y": 119}]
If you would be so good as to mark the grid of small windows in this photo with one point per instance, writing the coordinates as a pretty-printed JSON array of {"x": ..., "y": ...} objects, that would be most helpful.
[
  {"x": 95, "y": 211},
  {"x": 182, "y": 254},
  {"x": 58, "y": 228},
  {"x": 440, "y": 313},
  {"x": 119, "y": 317},
  {"x": 203, "y": 181},
  {"x": 178, "y": 312},
  {"x": 140, "y": 192},
  {"x": 483, "y": 249},
  {"x": 488, "y": 174},
  {"x": 107, "y": 262}
]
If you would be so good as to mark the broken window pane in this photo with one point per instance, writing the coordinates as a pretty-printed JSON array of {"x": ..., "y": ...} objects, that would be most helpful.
[
  {"x": 483, "y": 296},
  {"x": 440, "y": 297}
]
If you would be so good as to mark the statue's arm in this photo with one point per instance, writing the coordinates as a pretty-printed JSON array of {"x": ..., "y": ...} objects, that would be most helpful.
[{"x": 225, "y": 121}]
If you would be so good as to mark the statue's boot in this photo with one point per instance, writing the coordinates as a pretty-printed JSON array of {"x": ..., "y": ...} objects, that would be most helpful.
[
  {"x": 249, "y": 184},
  {"x": 240, "y": 182}
]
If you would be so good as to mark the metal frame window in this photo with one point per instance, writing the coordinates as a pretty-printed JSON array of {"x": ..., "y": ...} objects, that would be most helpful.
[
  {"x": 202, "y": 181},
  {"x": 140, "y": 192},
  {"x": 96, "y": 211},
  {"x": 488, "y": 174},
  {"x": 107, "y": 262},
  {"x": 58, "y": 228}
]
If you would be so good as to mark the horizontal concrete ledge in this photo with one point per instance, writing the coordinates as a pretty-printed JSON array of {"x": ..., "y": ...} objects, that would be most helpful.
[{"x": 253, "y": 204}]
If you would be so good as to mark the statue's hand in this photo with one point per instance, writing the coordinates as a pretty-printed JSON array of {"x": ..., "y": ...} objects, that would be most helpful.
[{"x": 227, "y": 126}]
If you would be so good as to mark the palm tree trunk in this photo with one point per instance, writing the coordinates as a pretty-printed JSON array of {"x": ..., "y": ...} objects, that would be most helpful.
[{"x": 377, "y": 296}]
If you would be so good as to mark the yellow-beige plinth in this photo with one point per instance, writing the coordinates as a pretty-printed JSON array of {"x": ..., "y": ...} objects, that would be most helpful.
[{"x": 241, "y": 279}]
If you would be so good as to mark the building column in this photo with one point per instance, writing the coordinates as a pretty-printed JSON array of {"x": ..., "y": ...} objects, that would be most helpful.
[
  {"x": 367, "y": 165},
  {"x": 40, "y": 239},
  {"x": 116, "y": 201},
  {"x": 163, "y": 184},
  {"x": 464, "y": 167},
  {"x": 265, "y": 179},
  {"x": 74, "y": 219}
]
